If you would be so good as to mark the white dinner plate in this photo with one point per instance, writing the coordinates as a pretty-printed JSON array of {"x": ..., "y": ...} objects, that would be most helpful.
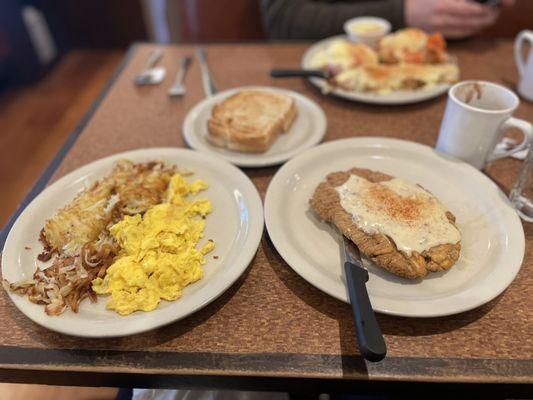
[
  {"x": 236, "y": 226},
  {"x": 307, "y": 130},
  {"x": 492, "y": 235},
  {"x": 394, "y": 98}
]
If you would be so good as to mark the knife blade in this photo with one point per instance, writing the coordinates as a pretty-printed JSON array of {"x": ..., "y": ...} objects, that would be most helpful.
[
  {"x": 207, "y": 79},
  {"x": 371, "y": 342}
]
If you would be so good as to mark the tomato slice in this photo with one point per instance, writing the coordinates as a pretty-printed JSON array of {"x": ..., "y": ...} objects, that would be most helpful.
[
  {"x": 414, "y": 57},
  {"x": 436, "y": 42}
]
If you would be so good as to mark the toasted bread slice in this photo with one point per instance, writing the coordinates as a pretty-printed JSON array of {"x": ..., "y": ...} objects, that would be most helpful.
[
  {"x": 379, "y": 248},
  {"x": 251, "y": 120}
]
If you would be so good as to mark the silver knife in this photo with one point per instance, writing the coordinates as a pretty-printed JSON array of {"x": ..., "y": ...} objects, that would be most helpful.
[
  {"x": 207, "y": 80},
  {"x": 178, "y": 87},
  {"x": 371, "y": 342}
]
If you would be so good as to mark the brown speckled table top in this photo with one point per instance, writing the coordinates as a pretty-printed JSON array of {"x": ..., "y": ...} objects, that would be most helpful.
[{"x": 272, "y": 323}]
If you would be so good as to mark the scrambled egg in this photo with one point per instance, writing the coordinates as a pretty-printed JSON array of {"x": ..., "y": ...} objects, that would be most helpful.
[{"x": 158, "y": 255}]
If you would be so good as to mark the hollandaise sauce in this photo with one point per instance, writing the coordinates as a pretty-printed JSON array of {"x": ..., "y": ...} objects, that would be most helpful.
[
  {"x": 412, "y": 217},
  {"x": 366, "y": 28}
]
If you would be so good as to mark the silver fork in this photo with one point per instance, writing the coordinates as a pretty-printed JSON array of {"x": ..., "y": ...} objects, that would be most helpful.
[{"x": 178, "y": 88}]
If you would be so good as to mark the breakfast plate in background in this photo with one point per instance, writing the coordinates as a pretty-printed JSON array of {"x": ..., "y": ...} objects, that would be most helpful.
[
  {"x": 307, "y": 130},
  {"x": 397, "y": 97},
  {"x": 235, "y": 225},
  {"x": 492, "y": 235}
]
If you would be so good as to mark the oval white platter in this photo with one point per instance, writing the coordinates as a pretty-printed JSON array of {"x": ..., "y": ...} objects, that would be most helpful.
[
  {"x": 236, "y": 226},
  {"x": 398, "y": 97},
  {"x": 492, "y": 235}
]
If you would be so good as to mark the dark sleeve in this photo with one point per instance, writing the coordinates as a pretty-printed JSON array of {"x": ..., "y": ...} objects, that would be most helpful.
[{"x": 308, "y": 19}]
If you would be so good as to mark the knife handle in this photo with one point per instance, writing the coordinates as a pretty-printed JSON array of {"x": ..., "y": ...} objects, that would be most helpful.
[
  {"x": 289, "y": 73},
  {"x": 371, "y": 342}
]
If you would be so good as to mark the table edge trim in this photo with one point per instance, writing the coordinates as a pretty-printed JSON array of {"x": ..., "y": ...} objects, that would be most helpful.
[{"x": 321, "y": 366}]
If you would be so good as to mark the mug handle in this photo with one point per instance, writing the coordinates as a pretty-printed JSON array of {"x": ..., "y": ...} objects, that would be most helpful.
[
  {"x": 527, "y": 130},
  {"x": 519, "y": 42}
]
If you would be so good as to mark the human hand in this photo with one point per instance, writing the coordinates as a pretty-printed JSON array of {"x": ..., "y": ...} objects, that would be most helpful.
[{"x": 453, "y": 18}]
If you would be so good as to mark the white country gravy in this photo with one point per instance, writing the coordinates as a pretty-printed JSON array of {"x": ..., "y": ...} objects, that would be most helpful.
[{"x": 413, "y": 218}]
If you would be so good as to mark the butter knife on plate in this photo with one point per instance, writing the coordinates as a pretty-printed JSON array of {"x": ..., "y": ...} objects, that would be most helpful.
[{"x": 371, "y": 342}]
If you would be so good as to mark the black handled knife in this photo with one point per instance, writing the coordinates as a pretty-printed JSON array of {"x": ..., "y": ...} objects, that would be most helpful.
[
  {"x": 371, "y": 342},
  {"x": 289, "y": 73}
]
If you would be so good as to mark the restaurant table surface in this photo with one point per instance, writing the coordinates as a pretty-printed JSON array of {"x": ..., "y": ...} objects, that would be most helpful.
[{"x": 271, "y": 323}]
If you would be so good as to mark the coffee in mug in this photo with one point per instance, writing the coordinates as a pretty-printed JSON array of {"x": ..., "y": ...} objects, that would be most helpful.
[{"x": 476, "y": 117}]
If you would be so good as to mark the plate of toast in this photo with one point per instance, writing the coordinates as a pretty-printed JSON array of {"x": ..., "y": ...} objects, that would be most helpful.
[
  {"x": 433, "y": 244},
  {"x": 407, "y": 66},
  {"x": 255, "y": 126}
]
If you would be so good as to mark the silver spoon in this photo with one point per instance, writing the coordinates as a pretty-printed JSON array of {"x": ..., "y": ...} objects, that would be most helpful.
[
  {"x": 178, "y": 88},
  {"x": 151, "y": 75}
]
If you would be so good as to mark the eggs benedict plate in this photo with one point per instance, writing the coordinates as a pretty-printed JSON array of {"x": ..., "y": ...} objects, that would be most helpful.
[
  {"x": 132, "y": 242},
  {"x": 407, "y": 66}
]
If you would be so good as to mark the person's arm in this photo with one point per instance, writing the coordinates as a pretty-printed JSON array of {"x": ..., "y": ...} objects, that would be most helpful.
[
  {"x": 308, "y": 19},
  {"x": 453, "y": 18}
]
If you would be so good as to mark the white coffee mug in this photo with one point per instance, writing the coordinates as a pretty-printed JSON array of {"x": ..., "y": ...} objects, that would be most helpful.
[
  {"x": 477, "y": 115},
  {"x": 525, "y": 69}
]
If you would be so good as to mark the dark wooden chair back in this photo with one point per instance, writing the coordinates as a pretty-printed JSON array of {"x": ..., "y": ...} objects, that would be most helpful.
[{"x": 214, "y": 20}]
